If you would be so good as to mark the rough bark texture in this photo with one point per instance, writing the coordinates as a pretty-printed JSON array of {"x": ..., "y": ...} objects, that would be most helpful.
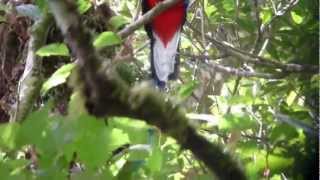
[
  {"x": 31, "y": 80},
  {"x": 13, "y": 37}
]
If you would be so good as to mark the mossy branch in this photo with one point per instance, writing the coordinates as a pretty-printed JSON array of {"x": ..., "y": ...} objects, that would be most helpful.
[{"x": 31, "y": 80}]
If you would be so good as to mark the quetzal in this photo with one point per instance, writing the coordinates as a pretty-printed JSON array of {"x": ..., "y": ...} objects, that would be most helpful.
[{"x": 164, "y": 33}]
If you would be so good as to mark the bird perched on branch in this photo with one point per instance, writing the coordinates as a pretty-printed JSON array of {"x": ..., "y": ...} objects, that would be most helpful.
[{"x": 164, "y": 33}]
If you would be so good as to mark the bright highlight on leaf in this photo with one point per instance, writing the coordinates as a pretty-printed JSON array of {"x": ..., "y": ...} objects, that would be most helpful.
[
  {"x": 54, "y": 49},
  {"x": 296, "y": 17},
  {"x": 58, "y": 77},
  {"x": 107, "y": 38},
  {"x": 83, "y": 6},
  {"x": 266, "y": 16},
  {"x": 8, "y": 135}
]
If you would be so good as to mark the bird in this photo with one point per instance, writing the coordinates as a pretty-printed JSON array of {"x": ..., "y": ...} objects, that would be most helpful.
[{"x": 164, "y": 32}]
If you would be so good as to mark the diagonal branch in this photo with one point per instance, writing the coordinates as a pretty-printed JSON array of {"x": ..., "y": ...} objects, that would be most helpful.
[{"x": 31, "y": 79}]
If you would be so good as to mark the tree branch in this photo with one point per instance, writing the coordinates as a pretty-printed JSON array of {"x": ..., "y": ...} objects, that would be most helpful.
[
  {"x": 109, "y": 95},
  {"x": 234, "y": 71},
  {"x": 240, "y": 73},
  {"x": 31, "y": 79}
]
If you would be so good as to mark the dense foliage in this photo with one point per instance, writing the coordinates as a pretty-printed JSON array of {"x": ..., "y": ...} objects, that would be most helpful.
[{"x": 269, "y": 125}]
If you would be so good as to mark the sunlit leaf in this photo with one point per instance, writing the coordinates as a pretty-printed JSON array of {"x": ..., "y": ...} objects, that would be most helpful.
[
  {"x": 8, "y": 134},
  {"x": 155, "y": 160},
  {"x": 76, "y": 106},
  {"x": 296, "y": 17},
  {"x": 137, "y": 130},
  {"x": 266, "y": 16},
  {"x": 83, "y": 5},
  {"x": 93, "y": 137},
  {"x": 54, "y": 49},
  {"x": 237, "y": 122},
  {"x": 106, "y": 39},
  {"x": 118, "y": 21},
  {"x": 58, "y": 77}
]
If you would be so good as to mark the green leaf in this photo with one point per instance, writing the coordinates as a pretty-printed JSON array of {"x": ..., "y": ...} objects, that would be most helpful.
[
  {"x": 229, "y": 5},
  {"x": 105, "y": 39},
  {"x": 186, "y": 90},
  {"x": 283, "y": 132},
  {"x": 210, "y": 9},
  {"x": 117, "y": 138},
  {"x": 248, "y": 148},
  {"x": 83, "y": 6},
  {"x": 279, "y": 163},
  {"x": 42, "y": 4},
  {"x": 205, "y": 177},
  {"x": 237, "y": 122},
  {"x": 58, "y": 77},
  {"x": 54, "y": 49},
  {"x": 241, "y": 100},
  {"x": 94, "y": 138},
  {"x": 8, "y": 133},
  {"x": 276, "y": 177},
  {"x": 296, "y": 17},
  {"x": 37, "y": 130},
  {"x": 4, "y": 171},
  {"x": 137, "y": 130},
  {"x": 91, "y": 138},
  {"x": 246, "y": 24},
  {"x": 76, "y": 106},
  {"x": 266, "y": 16},
  {"x": 129, "y": 169},
  {"x": 118, "y": 22},
  {"x": 17, "y": 165},
  {"x": 155, "y": 160}
]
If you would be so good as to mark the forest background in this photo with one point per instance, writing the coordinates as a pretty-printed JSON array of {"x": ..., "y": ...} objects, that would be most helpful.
[{"x": 76, "y": 101}]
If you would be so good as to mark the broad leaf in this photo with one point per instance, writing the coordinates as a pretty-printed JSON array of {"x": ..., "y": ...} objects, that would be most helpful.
[
  {"x": 54, "y": 49},
  {"x": 107, "y": 38},
  {"x": 118, "y": 22},
  {"x": 296, "y": 17},
  {"x": 58, "y": 77},
  {"x": 83, "y": 6},
  {"x": 8, "y": 134}
]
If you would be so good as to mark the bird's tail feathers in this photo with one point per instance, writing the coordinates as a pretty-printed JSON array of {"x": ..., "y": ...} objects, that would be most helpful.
[{"x": 165, "y": 59}]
